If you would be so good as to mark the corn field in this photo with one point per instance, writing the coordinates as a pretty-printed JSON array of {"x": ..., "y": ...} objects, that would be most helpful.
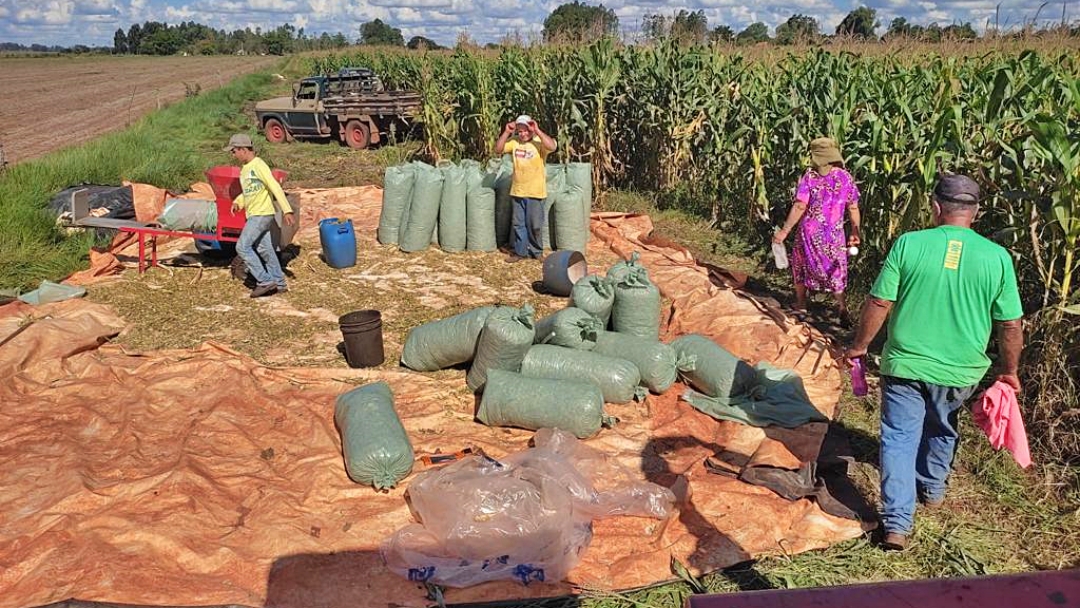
[{"x": 725, "y": 137}]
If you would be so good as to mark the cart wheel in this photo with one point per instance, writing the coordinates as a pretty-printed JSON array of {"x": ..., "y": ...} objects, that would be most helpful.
[
  {"x": 357, "y": 135},
  {"x": 275, "y": 133},
  {"x": 238, "y": 269}
]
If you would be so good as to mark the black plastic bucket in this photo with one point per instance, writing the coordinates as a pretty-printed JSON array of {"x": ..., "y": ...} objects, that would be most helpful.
[
  {"x": 362, "y": 333},
  {"x": 562, "y": 269}
]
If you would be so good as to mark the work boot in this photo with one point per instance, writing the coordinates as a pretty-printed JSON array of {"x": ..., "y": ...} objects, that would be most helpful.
[
  {"x": 932, "y": 503},
  {"x": 282, "y": 288},
  {"x": 513, "y": 258},
  {"x": 894, "y": 541},
  {"x": 263, "y": 290}
]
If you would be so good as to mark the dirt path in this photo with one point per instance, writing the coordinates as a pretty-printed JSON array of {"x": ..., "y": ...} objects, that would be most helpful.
[{"x": 52, "y": 103}]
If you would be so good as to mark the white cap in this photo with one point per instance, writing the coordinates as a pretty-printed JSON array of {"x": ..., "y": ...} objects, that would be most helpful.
[{"x": 524, "y": 119}]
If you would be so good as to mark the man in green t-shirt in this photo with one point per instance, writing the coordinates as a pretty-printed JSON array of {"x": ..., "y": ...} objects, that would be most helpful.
[{"x": 946, "y": 288}]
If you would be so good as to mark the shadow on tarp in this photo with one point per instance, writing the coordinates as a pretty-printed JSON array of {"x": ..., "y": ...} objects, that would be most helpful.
[{"x": 709, "y": 539}]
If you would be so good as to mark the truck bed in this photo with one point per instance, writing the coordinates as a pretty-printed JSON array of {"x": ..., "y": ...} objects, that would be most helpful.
[{"x": 382, "y": 103}]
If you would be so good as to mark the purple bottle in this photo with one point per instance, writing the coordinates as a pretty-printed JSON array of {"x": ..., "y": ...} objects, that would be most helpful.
[{"x": 858, "y": 377}]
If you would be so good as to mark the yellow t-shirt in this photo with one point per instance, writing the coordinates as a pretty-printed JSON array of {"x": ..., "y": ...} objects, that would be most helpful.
[
  {"x": 530, "y": 176},
  {"x": 258, "y": 184}
]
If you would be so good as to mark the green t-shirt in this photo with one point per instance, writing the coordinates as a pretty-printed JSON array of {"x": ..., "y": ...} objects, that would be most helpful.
[{"x": 949, "y": 285}]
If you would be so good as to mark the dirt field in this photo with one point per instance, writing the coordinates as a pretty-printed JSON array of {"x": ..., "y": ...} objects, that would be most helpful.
[{"x": 51, "y": 103}]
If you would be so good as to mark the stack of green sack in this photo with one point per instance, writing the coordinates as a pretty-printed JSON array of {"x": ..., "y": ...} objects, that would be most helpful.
[{"x": 467, "y": 206}]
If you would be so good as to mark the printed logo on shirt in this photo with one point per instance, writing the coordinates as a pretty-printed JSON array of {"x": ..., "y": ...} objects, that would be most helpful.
[
  {"x": 254, "y": 184},
  {"x": 525, "y": 152},
  {"x": 952, "y": 254}
]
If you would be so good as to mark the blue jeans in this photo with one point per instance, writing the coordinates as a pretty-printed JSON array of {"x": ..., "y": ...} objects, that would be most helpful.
[
  {"x": 256, "y": 247},
  {"x": 918, "y": 442},
  {"x": 528, "y": 227}
]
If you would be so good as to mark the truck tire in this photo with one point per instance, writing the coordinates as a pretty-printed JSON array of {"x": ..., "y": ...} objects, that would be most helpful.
[
  {"x": 275, "y": 132},
  {"x": 357, "y": 135}
]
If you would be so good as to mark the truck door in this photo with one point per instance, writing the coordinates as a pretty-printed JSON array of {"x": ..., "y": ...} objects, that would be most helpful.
[{"x": 304, "y": 117}]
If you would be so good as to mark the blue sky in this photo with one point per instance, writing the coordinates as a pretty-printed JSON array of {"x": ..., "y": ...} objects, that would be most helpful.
[{"x": 69, "y": 22}]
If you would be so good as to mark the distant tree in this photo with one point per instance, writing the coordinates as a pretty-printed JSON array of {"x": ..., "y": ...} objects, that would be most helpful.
[
  {"x": 577, "y": 21},
  {"x": 859, "y": 23},
  {"x": 933, "y": 33},
  {"x": 963, "y": 31},
  {"x": 340, "y": 41},
  {"x": 120, "y": 43},
  {"x": 722, "y": 33},
  {"x": 134, "y": 38},
  {"x": 690, "y": 26},
  {"x": 654, "y": 27},
  {"x": 421, "y": 43},
  {"x": 798, "y": 28},
  {"x": 753, "y": 34},
  {"x": 377, "y": 32}
]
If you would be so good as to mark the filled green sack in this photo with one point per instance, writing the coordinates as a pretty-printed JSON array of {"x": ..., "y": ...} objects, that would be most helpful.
[
  {"x": 424, "y": 210},
  {"x": 580, "y": 175},
  {"x": 480, "y": 210},
  {"x": 444, "y": 343},
  {"x": 416, "y": 167},
  {"x": 503, "y": 178},
  {"x": 618, "y": 379},
  {"x": 556, "y": 183},
  {"x": 452, "y": 207},
  {"x": 595, "y": 295},
  {"x": 717, "y": 373},
  {"x": 637, "y": 306},
  {"x": 569, "y": 327},
  {"x": 507, "y": 335},
  {"x": 571, "y": 231},
  {"x": 777, "y": 398},
  {"x": 657, "y": 362},
  {"x": 511, "y": 399},
  {"x": 376, "y": 448},
  {"x": 397, "y": 191},
  {"x": 620, "y": 269}
]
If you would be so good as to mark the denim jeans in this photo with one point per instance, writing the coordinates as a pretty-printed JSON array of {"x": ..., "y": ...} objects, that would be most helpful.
[
  {"x": 918, "y": 442},
  {"x": 256, "y": 247},
  {"x": 528, "y": 227}
]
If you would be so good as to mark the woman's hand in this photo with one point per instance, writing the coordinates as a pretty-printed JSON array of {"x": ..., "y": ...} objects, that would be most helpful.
[
  {"x": 854, "y": 240},
  {"x": 779, "y": 237}
]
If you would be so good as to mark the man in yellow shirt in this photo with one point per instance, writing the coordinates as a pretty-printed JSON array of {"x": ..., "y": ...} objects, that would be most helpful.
[
  {"x": 255, "y": 245},
  {"x": 529, "y": 149}
]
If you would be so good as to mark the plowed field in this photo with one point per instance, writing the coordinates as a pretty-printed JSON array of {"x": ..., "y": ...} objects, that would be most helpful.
[{"x": 51, "y": 103}]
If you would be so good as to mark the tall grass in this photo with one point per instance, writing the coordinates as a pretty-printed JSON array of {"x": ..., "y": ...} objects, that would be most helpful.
[
  {"x": 170, "y": 148},
  {"x": 724, "y": 136}
]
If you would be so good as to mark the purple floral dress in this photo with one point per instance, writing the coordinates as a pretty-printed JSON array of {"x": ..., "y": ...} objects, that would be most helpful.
[{"x": 819, "y": 257}]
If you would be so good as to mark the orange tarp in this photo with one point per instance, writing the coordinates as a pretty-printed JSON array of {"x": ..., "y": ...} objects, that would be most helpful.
[{"x": 201, "y": 477}]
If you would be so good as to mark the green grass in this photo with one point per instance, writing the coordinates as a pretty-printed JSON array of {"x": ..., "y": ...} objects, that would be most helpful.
[{"x": 170, "y": 148}]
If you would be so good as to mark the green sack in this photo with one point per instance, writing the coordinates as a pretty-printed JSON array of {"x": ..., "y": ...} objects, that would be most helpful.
[
  {"x": 717, "y": 372},
  {"x": 189, "y": 214},
  {"x": 618, "y": 379},
  {"x": 656, "y": 361},
  {"x": 444, "y": 343},
  {"x": 511, "y": 399},
  {"x": 778, "y": 398},
  {"x": 507, "y": 335},
  {"x": 424, "y": 210},
  {"x": 637, "y": 306},
  {"x": 580, "y": 175},
  {"x": 569, "y": 327},
  {"x": 595, "y": 295},
  {"x": 376, "y": 448},
  {"x": 571, "y": 231},
  {"x": 503, "y": 179},
  {"x": 556, "y": 183},
  {"x": 397, "y": 191},
  {"x": 417, "y": 167},
  {"x": 480, "y": 211},
  {"x": 452, "y": 212},
  {"x": 620, "y": 269}
]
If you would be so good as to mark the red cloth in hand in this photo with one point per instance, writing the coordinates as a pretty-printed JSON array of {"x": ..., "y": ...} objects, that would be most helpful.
[{"x": 997, "y": 413}]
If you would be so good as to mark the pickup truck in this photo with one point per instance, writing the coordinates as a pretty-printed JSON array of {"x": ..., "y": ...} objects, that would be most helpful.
[{"x": 352, "y": 106}]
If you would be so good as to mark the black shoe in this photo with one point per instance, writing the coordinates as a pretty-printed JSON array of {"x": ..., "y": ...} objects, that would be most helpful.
[{"x": 264, "y": 290}]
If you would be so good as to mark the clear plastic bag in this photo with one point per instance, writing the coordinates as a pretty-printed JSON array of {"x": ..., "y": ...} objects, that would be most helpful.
[{"x": 526, "y": 518}]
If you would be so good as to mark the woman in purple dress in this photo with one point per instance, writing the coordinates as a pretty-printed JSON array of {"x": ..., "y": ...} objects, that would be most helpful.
[{"x": 819, "y": 256}]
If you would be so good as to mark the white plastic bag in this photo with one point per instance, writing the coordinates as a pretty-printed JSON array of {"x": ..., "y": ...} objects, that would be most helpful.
[{"x": 526, "y": 518}]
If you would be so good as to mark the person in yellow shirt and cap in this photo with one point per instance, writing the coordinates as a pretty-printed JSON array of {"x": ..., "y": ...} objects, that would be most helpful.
[
  {"x": 529, "y": 149},
  {"x": 255, "y": 245}
]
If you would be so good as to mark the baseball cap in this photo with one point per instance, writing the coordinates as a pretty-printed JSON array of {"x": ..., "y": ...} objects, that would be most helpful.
[
  {"x": 954, "y": 188},
  {"x": 239, "y": 140},
  {"x": 524, "y": 119}
]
